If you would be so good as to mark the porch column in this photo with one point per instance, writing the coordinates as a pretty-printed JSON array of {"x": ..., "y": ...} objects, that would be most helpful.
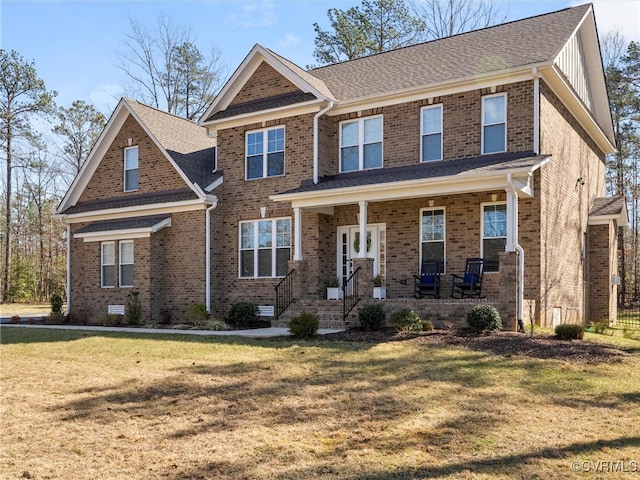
[
  {"x": 512, "y": 221},
  {"x": 363, "y": 229},
  {"x": 297, "y": 234}
]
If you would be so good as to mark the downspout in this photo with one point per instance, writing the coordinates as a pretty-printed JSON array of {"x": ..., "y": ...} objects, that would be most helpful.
[
  {"x": 316, "y": 118},
  {"x": 68, "y": 268},
  {"x": 536, "y": 110},
  {"x": 207, "y": 255},
  {"x": 520, "y": 250}
]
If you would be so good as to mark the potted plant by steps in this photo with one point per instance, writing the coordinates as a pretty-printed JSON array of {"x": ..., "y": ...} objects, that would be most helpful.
[
  {"x": 379, "y": 291},
  {"x": 334, "y": 292}
]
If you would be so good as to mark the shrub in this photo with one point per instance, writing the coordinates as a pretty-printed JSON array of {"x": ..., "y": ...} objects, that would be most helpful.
[
  {"x": 54, "y": 319},
  {"x": 371, "y": 317},
  {"x": 600, "y": 327},
  {"x": 484, "y": 318},
  {"x": 197, "y": 313},
  {"x": 133, "y": 310},
  {"x": 166, "y": 316},
  {"x": 110, "y": 320},
  {"x": 304, "y": 325},
  {"x": 16, "y": 319},
  {"x": 216, "y": 325},
  {"x": 406, "y": 320},
  {"x": 243, "y": 314},
  {"x": 570, "y": 331},
  {"x": 56, "y": 303},
  {"x": 427, "y": 326}
]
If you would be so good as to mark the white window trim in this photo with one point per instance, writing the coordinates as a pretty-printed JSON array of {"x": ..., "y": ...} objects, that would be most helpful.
[
  {"x": 483, "y": 125},
  {"x": 120, "y": 264},
  {"x": 125, "y": 169},
  {"x": 361, "y": 143},
  {"x": 265, "y": 152},
  {"x": 422, "y": 134},
  {"x": 274, "y": 247},
  {"x": 482, "y": 237},
  {"x": 444, "y": 237},
  {"x": 102, "y": 264}
]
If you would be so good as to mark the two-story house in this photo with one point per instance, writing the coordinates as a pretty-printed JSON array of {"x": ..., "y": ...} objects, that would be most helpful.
[{"x": 487, "y": 144}]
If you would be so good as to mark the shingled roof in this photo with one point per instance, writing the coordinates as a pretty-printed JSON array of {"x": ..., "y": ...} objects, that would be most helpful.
[{"x": 605, "y": 208}]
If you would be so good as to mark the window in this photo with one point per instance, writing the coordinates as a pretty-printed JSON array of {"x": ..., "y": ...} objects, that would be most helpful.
[
  {"x": 494, "y": 123},
  {"x": 107, "y": 265},
  {"x": 126, "y": 263},
  {"x": 130, "y": 169},
  {"x": 432, "y": 235},
  {"x": 265, "y": 248},
  {"x": 361, "y": 144},
  {"x": 432, "y": 133},
  {"x": 494, "y": 234},
  {"x": 265, "y": 153}
]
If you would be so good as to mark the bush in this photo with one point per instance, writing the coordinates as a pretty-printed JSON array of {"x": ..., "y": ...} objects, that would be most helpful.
[
  {"x": 406, "y": 320},
  {"x": 133, "y": 310},
  {"x": 484, "y": 318},
  {"x": 166, "y": 316},
  {"x": 16, "y": 319},
  {"x": 601, "y": 327},
  {"x": 570, "y": 331},
  {"x": 197, "y": 313},
  {"x": 427, "y": 326},
  {"x": 110, "y": 320},
  {"x": 54, "y": 319},
  {"x": 216, "y": 325},
  {"x": 304, "y": 325},
  {"x": 243, "y": 314},
  {"x": 56, "y": 303},
  {"x": 371, "y": 317}
]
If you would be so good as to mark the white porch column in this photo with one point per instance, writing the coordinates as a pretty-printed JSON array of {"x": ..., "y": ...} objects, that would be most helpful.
[
  {"x": 297, "y": 239},
  {"x": 512, "y": 221},
  {"x": 363, "y": 229}
]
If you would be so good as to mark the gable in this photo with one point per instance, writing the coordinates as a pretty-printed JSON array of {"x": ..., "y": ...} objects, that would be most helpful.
[{"x": 265, "y": 83}]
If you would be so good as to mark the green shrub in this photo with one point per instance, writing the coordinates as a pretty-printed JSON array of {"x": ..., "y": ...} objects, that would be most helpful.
[
  {"x": 110, "y": 320},
  {"x": 216, "y": 325},
  {"x": 371, "y": 317},
  {"x": 304, "y": 325},
  {"x": 484, "y": 318},
  {"x": 56, "y": 303},
  {"x": 133, "y": 309},
  {"x": 406, "y": 320},
  {"x": 197, "y": 313},
  {"x": 243, "y": 314},
  {"x": 427, "y": 326},
  {"x": 600, "y": 327},
  {"x": 570, "y": 331}
]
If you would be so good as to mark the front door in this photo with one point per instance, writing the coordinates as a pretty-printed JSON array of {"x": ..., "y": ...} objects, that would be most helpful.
[{"x": 349, "y": 246}]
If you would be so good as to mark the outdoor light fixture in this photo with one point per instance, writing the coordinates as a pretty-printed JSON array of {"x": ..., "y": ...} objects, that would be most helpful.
[{"x": 580, "y": 181}]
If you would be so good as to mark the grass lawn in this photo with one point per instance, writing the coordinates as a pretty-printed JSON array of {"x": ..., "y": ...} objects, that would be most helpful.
[
  {"x": 10, "y": 309},
  {"x": 87, "y": 405}
]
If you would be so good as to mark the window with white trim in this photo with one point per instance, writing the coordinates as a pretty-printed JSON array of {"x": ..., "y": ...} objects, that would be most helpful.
[
  {"x": 265, "y": 248},
  {"x": 130, "y": 169},
  {"x": 494, "y": 234},
  {"x": 361, "y": 144},
  {"x": 265, "y": 153},
  {"x": 108, "y": 264},
  {"x": 431, "y": 144},
  {"x": 432, "y": 235},
  {"x": 126, "y": 263},
  {"x": 494, "y": 123}
]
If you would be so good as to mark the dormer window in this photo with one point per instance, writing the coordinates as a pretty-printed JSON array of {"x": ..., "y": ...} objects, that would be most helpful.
[
  {"x": 265, "y": 153},
  {"x": 361, "y": 144},
  {"x": 130, "y": 169}
]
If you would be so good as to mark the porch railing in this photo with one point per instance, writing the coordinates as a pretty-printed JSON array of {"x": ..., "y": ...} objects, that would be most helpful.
[
  {"x": 350, "y": 297},
  {"x": 284, "y": 294}
]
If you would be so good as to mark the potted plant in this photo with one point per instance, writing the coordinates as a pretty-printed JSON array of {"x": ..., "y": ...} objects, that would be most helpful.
[
  {"x": 334, "y": 292},
  {"x": 379, "y": 291}
]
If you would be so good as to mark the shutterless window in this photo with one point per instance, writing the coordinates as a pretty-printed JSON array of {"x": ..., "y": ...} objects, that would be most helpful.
[
  {"x": 494, "y": 123},
  {"x": 107, "y": 264},
  {"x": 130, "y": 169},
  {"x": 265, "y": 248},
  {"x": 432, "y": 237},
  {"x": 494, "y": 234},
  {"x": 361, "y": 144},
  {"x": 126, "y": 263},
  {"x": 265, "y": 153},
  {"x": 432, "y": 133}
]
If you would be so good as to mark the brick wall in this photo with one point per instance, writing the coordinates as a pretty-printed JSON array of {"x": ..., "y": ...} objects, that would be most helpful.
[
  {"x": 264, "y": 83},
  {"x": 602, "y": 265}
]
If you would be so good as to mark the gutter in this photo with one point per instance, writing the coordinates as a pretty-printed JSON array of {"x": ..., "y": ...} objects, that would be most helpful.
[
  {"x": 520, "y": 250},
  {"x": 316, "y": 117}
]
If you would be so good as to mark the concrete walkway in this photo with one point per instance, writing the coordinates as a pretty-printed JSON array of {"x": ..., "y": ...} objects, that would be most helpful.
[{"x": 251, "y": 333}]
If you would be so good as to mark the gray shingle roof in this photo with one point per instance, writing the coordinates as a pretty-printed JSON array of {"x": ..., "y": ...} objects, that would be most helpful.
[
  {"x": 608, "y": 206},
  {"x": 129, "y": 223},
  {"x": 132, "y": 201},
  {"x": 263, "y": 104}
]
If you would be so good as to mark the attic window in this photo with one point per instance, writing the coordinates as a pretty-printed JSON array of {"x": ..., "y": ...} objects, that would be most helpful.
[{"x": 130, "y": 169}]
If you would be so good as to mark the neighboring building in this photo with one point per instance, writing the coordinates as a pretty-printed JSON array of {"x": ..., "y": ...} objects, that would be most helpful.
[{"x": 486, "y": 144}]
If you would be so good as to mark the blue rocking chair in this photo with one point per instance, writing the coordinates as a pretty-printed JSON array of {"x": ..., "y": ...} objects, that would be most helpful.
[
  {"x": 428, "y": 283},
  {"x": 469, "y": 285}
]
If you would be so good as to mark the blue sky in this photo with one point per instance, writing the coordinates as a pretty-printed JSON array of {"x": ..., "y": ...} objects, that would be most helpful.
[{"x": 75, "y": 44}]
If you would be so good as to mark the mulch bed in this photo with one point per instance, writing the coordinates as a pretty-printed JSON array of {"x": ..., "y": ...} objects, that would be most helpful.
[{"x": 500, "y": 343}]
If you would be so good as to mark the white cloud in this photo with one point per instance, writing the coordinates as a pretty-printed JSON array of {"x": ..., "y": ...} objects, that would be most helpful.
[
  {"x": 254, "y": 14},
  {"x": 289, "y": 40},
  {"x": 622, "y": 15}
]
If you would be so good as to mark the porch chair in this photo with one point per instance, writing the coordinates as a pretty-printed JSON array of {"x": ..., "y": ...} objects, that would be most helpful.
[
  {"x": 428, "y": 283},
  {"x": 469, "y": 285}
]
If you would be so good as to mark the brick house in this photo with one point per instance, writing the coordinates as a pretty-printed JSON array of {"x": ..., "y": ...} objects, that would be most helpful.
[{"x": 487, "y": 144}]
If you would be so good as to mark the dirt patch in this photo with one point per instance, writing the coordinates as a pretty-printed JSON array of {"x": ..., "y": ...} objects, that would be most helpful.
[{"x": 500, "y": 343}]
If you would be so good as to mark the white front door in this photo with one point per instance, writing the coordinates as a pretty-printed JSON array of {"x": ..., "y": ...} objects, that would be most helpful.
[{"x": 349, "y": 247}]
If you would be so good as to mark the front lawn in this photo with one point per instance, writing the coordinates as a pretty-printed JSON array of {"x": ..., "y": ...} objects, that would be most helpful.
[{"x": 87, "y": 405}]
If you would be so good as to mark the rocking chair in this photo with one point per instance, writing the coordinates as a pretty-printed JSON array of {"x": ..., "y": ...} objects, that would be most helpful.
[
  {"x": 469, "y": 285},
  {"x": 428, "y": 283}
]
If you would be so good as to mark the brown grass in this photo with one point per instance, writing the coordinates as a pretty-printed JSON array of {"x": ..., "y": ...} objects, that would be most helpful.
[
  {"x": 81, "y": 405},
  {"x": 10, "y": 309}
]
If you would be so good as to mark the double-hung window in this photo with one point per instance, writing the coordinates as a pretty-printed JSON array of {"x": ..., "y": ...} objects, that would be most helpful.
[
  {"x": 494, "y": 123},
  {"x": 361, "y": 144},
  {"x": 130, "y": 169},
  {"x": 431, "y": 133},
  {"x": 107, "y": 264},
  {"x": 494, "y": 234},
  {"x": 126, "y": 263},
  {"x": 265, "y": 248},
  {"x": 265, "y": 153},
  {"x": 432, "y": 235}
]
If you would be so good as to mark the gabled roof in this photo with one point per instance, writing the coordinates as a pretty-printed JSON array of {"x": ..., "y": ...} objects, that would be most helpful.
[
  {"x": 135, "y": 227},
  {"x": 184, "y": 143}
]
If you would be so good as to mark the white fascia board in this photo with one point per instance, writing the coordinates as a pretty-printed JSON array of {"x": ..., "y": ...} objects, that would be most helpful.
[
  {"x": 303, "y": 108},
  {"x": 215, "y": 184},
  {"x": 127, "y": 233}
]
